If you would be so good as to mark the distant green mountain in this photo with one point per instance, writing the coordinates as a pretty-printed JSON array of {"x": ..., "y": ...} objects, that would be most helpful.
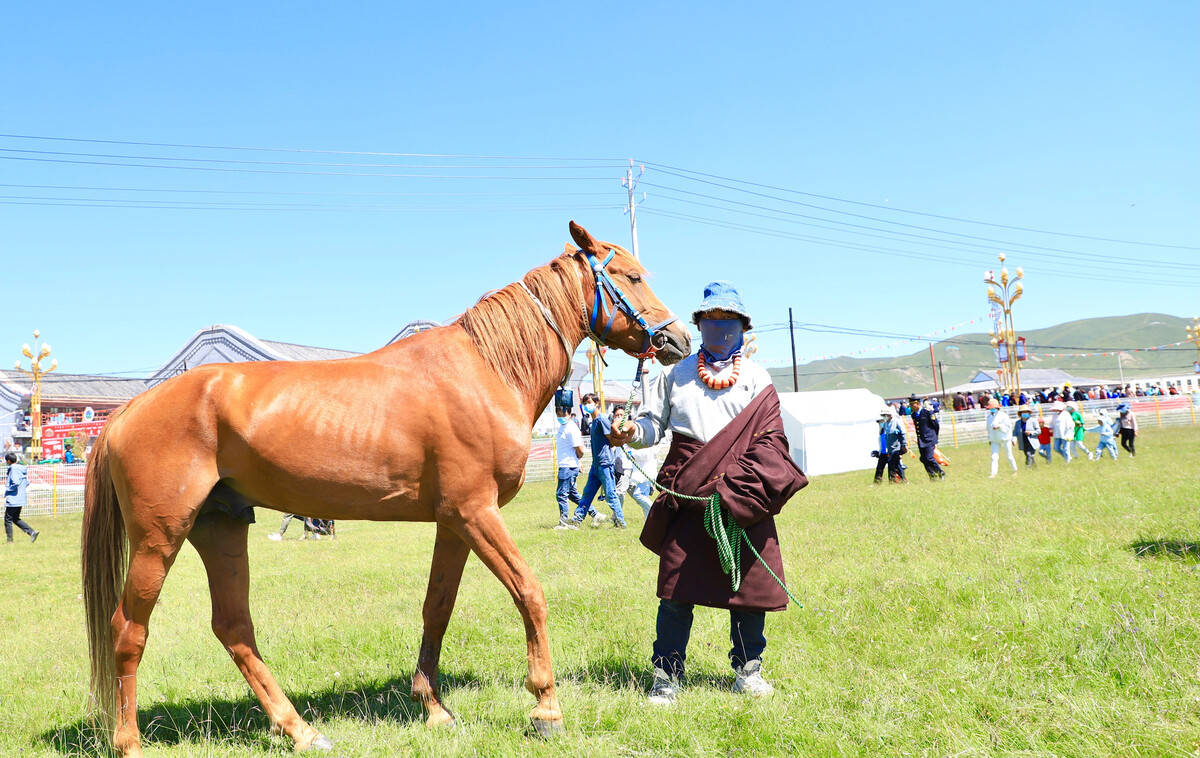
[{"x": 965, "y": 355}]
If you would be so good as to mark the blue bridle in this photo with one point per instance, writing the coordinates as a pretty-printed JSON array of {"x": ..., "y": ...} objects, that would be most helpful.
[{"x": 608, "y": 292}]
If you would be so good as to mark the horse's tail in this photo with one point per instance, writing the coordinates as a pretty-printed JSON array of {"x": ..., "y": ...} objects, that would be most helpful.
[{"x": 103, "y": 549}]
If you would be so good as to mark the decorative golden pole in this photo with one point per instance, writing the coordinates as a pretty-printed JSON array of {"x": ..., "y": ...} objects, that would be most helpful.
[
  {"x": 1004, "y": 293},
  {"x": 35, "y": 370},
  {"x": 595, "y": 355},
  {"x": 1193, "y": 335}
]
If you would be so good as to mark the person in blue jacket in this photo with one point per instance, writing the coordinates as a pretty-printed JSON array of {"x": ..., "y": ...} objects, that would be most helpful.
[
  {"x": 926, "y": 424},
  {"x": 891, "y": 447},
  {"x": 14, "y": 499}
]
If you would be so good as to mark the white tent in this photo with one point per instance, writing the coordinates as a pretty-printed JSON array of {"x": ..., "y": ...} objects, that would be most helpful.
[{"x": 832, "y": 431}]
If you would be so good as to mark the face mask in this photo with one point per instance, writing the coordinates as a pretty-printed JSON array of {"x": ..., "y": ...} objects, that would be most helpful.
[
  {"x": 588, "y": 408},
  {"x": 562, "y": 420},
  {"x": 1025, "y": 415},
  {"x": 721, "y": 337}
]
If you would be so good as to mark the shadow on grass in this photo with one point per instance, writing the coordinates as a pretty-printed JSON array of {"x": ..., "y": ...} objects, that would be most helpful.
[
  {"x": 243, "y": 724},
  {"x": 1188, "y": 551},
  {"x": 617, "y": 674}
]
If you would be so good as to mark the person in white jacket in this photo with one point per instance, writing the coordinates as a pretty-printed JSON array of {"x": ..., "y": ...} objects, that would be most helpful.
[
  {"x": 1064, "y": 431},
  {"x": 999, "y": 428}
]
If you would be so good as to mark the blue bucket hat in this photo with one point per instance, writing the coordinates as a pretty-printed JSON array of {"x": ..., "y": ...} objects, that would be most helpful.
[
  {"x": 722, "y": 296},
  {"x": 1123, "y": 407}
]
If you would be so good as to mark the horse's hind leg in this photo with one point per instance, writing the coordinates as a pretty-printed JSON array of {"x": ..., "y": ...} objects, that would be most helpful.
[
  {"x": 151, "y": 559},
  {"x": 487, "y": 535},
  {"x": 445, "y": 573},
  {"x": 221, "y": 543}
]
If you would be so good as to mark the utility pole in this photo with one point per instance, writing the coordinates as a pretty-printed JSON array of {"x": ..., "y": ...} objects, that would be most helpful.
[
  {"x": 932, "y": 369},
  {"x": 792, "y": 332},
  {"x": 629, "y": 182},
  {"x": 942, "y": 376}
]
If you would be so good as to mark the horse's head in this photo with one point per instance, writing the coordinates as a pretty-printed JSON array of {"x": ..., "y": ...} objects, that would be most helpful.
[{"x": 619, "y": 306}]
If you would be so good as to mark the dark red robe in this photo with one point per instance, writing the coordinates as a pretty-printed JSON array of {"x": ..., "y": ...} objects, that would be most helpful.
[{"x": 749, "y": 464}]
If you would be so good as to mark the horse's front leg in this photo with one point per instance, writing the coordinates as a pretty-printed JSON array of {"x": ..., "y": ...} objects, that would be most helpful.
[
  {"x": 487, "y": 535},
  {"x": 445, "y": 574}
]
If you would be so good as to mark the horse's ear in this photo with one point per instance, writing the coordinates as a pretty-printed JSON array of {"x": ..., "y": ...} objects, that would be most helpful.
[
  {"x": 568, "y": 249},
  {"x": 585, "y": 241}
]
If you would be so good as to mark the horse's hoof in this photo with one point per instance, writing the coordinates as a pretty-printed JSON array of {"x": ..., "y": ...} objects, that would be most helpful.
[
  {"x": 546, "y": 729},
  {"x": 321, "y": 743},
  {"x": 442, "y": 718}
]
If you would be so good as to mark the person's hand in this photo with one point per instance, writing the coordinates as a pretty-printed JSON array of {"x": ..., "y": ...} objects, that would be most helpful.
[
  {"x": 622, "y": 432},
  {"x": 874, "y": 453}
]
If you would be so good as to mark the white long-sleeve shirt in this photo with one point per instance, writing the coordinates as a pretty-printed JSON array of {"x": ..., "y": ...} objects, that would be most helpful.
[{"x": 680, "y": 402}]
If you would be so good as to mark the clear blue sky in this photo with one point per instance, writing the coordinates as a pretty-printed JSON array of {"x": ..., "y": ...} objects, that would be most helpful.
[{"x": 1080, "y": 118}]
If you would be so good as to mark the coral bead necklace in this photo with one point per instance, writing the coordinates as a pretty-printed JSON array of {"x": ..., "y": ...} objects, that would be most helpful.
[{"x": 707, "y": 377}]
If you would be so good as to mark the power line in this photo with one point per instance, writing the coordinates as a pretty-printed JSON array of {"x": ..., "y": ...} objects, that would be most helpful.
[
  {"x": 959, "y": 219},
  {"x": 245, "y": 148},
  {"x": 180, "y": 205},
  {"x": 296, "y": 193},
  {"x": 1080, "y": 255},
  {"x": 1085, "y": 274},
  {"x": 229, "y": 170},
  {"x": 299, "y": 163},
  {"x": 886, "y": 234}
]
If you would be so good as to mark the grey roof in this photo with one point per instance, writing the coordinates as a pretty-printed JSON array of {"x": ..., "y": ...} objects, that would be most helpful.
[
  {"x": 412, "y": 327},
  {"x": 77, "y": 387},
  {"x": 1031, "y": 378},
  {"x": 288, "y": 351}
]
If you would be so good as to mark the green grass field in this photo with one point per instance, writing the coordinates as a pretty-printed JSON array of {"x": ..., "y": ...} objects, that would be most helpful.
[{"x": 1056, "y": 612}]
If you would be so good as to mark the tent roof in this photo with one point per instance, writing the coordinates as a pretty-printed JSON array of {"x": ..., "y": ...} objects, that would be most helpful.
[{"x": 1032, "y": 378}]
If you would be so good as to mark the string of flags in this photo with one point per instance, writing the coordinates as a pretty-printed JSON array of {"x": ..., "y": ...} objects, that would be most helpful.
[{"x": 1113, "y": 353}]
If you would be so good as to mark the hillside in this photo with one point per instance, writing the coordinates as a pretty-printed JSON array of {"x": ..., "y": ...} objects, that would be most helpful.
[{"x": 965, "y": 354}]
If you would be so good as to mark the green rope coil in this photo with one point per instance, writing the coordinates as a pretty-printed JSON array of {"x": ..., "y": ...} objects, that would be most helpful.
[{"x": 718, "y": 522}]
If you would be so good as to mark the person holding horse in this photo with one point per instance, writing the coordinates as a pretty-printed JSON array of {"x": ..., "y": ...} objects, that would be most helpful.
[{"x": 727, "y": 438}]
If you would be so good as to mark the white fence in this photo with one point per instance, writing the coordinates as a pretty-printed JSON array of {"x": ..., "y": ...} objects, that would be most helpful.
[
  {"x": 962, "y": 427},
  {"x": 54, "y": 488}
]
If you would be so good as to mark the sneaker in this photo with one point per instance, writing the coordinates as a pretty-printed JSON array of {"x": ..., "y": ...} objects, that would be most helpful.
[
  {"x": 33, "y": 537},
  {"x": 664, "y": 689},
  {"x": 599, "y": 519},
  {"x": 275, "y": 537},
  {"x": 618, "y": 524},
  {"x": 564, "y": 524},
  {"x": 749, "y": 680}
]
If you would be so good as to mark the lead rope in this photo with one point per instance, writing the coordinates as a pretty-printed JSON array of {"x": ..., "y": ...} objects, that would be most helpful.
[{"x": 718, "y": 522}]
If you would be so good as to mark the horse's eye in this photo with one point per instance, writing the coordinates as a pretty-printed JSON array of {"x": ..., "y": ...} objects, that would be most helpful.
[{"x": 635, "y": 278}]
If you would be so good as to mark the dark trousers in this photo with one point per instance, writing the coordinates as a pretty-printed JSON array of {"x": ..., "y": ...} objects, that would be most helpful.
[
  {"x": 892, "y": 462},
  {"x": 1127, "y": 440},
  {"x": 13, "y": 516},
  {"x": 1030, "y": 457},
  {"x": 674, "y": 627},
  {"x": 931, "y": 466}
]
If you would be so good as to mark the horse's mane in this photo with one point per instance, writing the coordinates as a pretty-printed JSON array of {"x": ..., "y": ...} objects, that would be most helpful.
[{"x": 508, "y": 330}]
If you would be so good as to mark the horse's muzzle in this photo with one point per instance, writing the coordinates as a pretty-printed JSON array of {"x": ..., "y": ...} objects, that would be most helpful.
[{"x": 678, "y": 345}]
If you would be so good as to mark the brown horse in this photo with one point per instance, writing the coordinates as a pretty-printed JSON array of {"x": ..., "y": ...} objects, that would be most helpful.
[{"x": 185, "y": 459}]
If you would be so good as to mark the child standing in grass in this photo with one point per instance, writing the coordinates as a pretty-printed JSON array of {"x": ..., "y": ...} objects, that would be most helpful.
[
  {"x": 1108, "y": 440},
  {"x": 1044, "y": 437}
]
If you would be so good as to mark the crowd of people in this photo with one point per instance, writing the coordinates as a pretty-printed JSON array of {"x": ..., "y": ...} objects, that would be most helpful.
[
  {"x": 1058, "y": 427},
  {"x": 616, "y": 471},
  {"x": 966, "y": 401}
]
